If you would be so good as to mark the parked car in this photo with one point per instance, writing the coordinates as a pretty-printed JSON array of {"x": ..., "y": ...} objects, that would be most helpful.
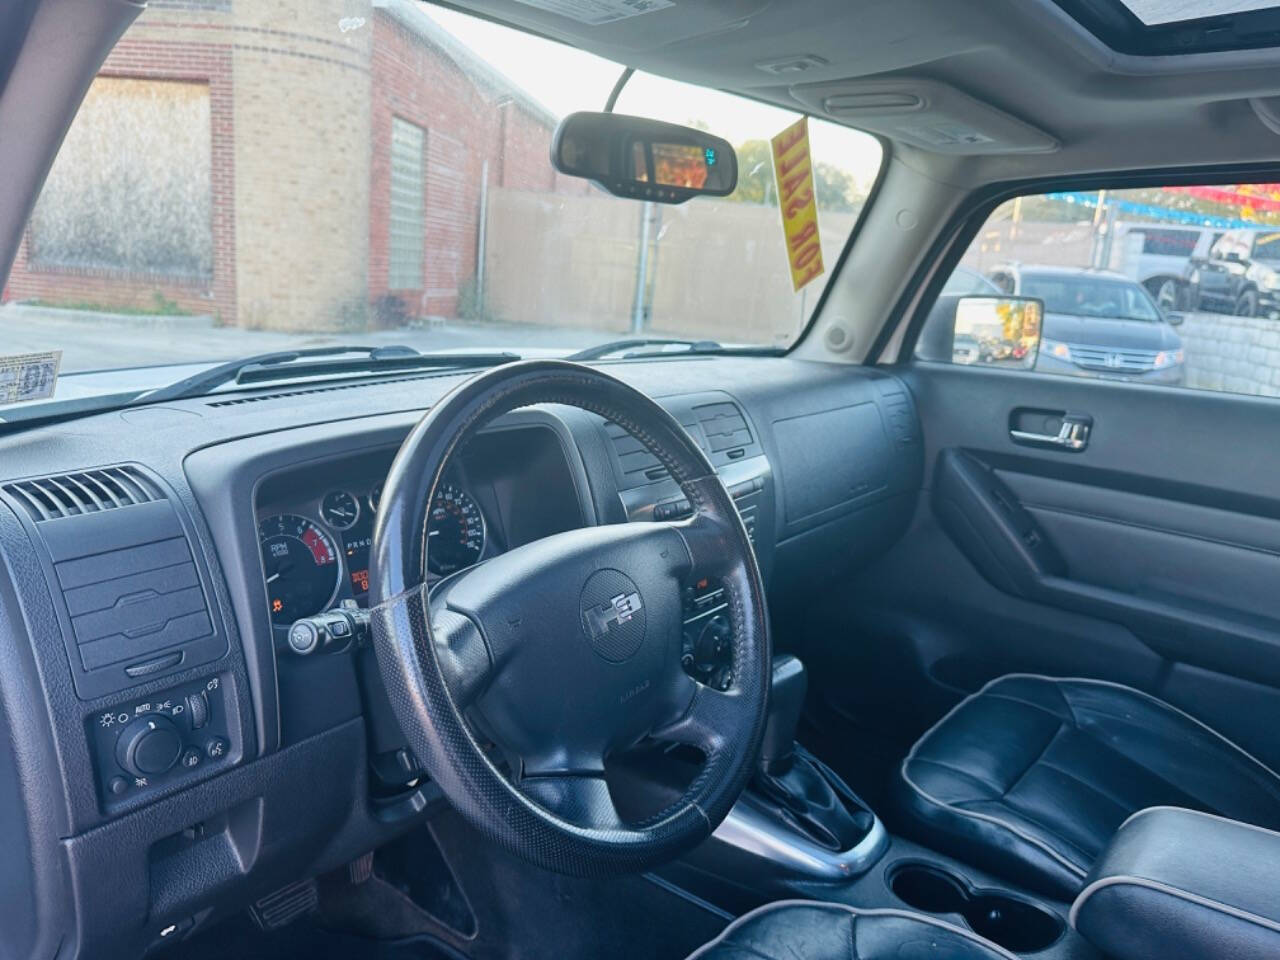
[
  {"x": 1159, "y": 256},
  {"x": 1098, "y": 323},
  {"x": 966, "y": 282},
  {"x": 1241, "y": 275}
]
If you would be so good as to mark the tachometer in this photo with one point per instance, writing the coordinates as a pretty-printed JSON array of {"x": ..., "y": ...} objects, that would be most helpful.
[
  {"x": 455, "y": 531},
  {"x": 301, "y": 565}
]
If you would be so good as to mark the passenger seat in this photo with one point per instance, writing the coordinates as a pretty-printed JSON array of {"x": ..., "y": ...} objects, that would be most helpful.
[{"x": 1030, "y": 777}]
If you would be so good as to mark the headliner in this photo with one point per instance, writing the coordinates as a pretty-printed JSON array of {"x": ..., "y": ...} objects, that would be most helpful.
[{"x": 1068, "y": 103}]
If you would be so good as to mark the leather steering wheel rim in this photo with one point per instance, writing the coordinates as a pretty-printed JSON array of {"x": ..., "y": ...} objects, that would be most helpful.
[{"x": 454, "y": 657}]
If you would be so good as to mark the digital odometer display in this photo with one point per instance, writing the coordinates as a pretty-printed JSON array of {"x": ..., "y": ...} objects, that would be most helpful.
[
  {"x": 455, "y": 531},
  {"x": 357, "y": 543},
  {"x": 301, "y": 565}
]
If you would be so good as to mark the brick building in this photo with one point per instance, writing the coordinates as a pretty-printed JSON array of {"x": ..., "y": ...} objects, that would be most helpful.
[{"x": 315, "y": 165}]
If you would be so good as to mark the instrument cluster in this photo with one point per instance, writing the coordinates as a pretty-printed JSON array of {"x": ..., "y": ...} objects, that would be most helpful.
[{"x": 318, "y": 553}]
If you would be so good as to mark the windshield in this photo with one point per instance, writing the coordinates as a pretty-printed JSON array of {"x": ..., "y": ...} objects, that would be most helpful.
[
  {"x": 1086, "y": 296},
  {"x": 246, "y": 177},
  {"x": 1267, "y": 247}
]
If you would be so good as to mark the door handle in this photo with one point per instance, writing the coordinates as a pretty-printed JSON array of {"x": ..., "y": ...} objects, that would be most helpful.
[{"x": 1073, "y": 435}]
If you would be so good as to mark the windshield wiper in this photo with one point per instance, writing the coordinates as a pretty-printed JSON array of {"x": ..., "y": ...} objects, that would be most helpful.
[
  {"x": 263, "y": 367},
  {"x": 635, "y": 347}
]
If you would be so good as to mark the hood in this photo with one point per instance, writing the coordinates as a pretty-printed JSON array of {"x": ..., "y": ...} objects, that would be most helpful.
[{"x": 1110, "y": 332}]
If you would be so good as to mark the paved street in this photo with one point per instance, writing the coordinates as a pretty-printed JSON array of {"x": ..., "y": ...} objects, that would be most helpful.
[{"x": 92, "y": 341}]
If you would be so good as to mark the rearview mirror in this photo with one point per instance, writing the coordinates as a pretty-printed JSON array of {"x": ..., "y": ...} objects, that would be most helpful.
[
  {"x": 644, "y": 159},
  {"x": 997, "y": 331},
  {"x": 1174, "y": 318}
]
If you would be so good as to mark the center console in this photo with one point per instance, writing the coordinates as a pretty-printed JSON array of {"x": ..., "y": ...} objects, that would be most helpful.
[
  {"x": 1182, "y": 883},
  {"x": 799, "y": 831},
  {"x": 797, "y": 822}
]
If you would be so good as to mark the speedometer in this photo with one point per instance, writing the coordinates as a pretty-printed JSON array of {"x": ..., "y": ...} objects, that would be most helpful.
[
  {"x": 455, "y": 531},
  {"x": 301, "y": 566}
]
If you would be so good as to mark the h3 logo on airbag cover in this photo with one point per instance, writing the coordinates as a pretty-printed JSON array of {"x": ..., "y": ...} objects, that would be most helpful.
[
  {"x": 613, "y": 615},
  {"x": 617, "y": 611}
]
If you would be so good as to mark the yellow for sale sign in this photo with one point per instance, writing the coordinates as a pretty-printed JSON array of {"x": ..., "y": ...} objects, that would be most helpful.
[{"x": 793, "y": 173}]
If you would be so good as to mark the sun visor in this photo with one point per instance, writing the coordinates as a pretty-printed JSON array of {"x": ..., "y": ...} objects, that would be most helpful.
[{"x": 924, "y": 114}]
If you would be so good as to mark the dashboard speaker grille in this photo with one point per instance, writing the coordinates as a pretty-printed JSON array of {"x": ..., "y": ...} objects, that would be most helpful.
[{"x": 86, "y": 491}]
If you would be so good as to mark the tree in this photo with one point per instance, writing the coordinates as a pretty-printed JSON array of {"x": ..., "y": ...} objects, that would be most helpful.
[
  {"x": 837, "y": 189},
  {"x": 755, "y": 173}
]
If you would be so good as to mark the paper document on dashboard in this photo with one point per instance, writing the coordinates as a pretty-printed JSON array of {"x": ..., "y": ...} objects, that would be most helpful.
[{"x": 28, "y": 376}]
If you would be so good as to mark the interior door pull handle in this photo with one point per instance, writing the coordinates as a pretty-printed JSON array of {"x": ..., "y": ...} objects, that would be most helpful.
[{"x": 1073, "y": 436}]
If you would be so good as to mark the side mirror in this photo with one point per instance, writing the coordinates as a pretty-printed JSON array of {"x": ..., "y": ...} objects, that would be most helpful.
[
  {"x": 997, "y": 331},
  {"x": 1174, "y": 319},
  {"x": 644, "y": 159}
]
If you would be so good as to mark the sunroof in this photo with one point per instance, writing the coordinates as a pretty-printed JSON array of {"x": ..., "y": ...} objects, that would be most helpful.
[
  {"x": 1154, "y": 12},
  {"x": 1177, "y": 27}
]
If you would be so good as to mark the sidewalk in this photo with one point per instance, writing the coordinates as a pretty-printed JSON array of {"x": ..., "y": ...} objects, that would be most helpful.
[{"x": 99, "y": 341}]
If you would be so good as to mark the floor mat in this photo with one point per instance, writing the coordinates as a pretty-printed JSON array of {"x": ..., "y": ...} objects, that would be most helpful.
[{"x": 304, "y": 940}]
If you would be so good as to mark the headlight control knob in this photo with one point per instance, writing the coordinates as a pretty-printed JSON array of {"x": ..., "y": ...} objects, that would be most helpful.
[{"x": 149, "y": 746}]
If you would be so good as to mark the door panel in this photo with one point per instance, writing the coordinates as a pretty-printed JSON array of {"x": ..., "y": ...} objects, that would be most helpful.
[{"x": 1150, "y": 557}]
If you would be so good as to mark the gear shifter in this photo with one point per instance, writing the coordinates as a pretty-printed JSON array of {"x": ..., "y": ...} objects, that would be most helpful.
[{"x": 804, "y": 791}]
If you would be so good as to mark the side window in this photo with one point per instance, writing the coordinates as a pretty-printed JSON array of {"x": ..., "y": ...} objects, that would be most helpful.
[
  {"x": 1175, "y": 286},
  {"x": 1169, "y": 242},
  {"x": 1266, "y": 247}
]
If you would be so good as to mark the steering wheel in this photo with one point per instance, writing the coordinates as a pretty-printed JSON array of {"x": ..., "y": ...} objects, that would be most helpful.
[{"x": 565, "y": 650}]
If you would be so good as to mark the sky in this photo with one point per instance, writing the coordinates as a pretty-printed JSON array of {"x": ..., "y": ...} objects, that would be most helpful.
[
  {"x": 582, "y": 81},
  {"x": 1170, "y": 11}
]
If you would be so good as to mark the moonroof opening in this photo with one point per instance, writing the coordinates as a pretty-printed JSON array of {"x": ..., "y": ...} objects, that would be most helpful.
[
  {"x": 1154, "y": 12},
  {"x": 1178, "y": 27}
]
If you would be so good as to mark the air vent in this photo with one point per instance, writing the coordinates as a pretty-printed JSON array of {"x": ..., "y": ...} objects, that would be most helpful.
[
  {"x": 126, "y": 583},
  {"x": 725, "y": 427},
  {"x": 88, "y": 491},
  {"x": 637, "y": 463},
  {"x": 328, "y": 388}
]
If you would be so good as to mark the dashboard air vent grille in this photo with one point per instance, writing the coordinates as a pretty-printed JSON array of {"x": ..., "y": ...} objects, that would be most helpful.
[
  {"x": 724, "y": 426},
  {"x": 637, "y": 463},
  {"x": 87, "y": 491}
]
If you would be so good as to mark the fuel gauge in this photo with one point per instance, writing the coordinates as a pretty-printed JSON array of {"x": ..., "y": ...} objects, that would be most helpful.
[{"x": 340, "y": 510}]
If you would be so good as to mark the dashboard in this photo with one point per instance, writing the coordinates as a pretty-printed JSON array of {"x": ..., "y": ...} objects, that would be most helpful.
[{"x": 179, "y": 760}]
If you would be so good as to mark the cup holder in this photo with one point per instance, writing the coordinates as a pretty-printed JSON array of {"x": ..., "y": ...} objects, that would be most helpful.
[{"x": 1015, "y": 924}]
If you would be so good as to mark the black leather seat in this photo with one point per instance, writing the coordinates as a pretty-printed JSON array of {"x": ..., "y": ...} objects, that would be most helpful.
[
  {"x": 1030, "y": 777},
  {"x": 795, "y": 929}
]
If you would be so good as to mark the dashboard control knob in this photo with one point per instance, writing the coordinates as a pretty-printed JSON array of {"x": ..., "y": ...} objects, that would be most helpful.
[
  {"x": 305, "y": 637},
  {"x": 148, "y": 746},
  {"x": 330, "y": 632},
  {"x": 198, "y": 709}
]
